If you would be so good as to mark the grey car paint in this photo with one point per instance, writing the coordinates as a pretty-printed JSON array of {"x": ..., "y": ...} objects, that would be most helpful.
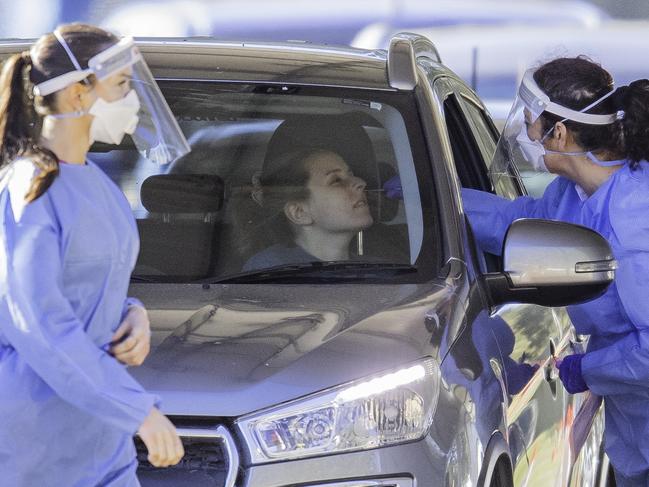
[{"x": 248, "y": 347}]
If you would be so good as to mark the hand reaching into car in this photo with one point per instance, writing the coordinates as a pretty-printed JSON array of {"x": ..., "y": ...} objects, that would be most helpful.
[
  {"x": 393, "y": 189},
  {"x": 132, "y": 340},
  {"x": 161, "y": 440}
]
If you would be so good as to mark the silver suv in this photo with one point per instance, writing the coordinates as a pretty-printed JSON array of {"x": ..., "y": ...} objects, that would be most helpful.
[{"x": 416, "y": 360}]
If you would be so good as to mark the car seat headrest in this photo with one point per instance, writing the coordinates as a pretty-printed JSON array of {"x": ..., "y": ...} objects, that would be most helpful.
[
  {"x": 341, "y": 134},
  {"x": 182, "y": 193},
  {"x": 225, "y": 150}
]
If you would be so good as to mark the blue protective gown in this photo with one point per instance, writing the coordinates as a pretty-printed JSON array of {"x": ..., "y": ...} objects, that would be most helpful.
[
  {"x": 69, "y": 409},
  {"x": 616, "y": 364}
]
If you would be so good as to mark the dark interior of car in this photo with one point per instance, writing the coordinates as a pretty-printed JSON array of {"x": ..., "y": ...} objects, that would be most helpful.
[{"x": 204, "y": 209}]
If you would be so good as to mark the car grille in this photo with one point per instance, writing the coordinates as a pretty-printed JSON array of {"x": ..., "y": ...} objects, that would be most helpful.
[{"x": 210, "y": 461}]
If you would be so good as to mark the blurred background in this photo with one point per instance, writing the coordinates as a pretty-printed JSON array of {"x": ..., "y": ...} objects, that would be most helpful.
[{"x": 489, "y": 43}]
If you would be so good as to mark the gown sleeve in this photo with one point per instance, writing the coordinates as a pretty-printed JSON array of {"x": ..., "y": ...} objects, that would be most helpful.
[
  {"x": 128, "y": 302},
  {"x": 44, "y": 329},
  {"x": 490, "y": 215},
  {"x": 623, "y": 366}
]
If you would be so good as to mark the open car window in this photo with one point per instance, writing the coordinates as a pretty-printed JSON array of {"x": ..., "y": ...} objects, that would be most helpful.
[{"x": 228, "y": 208}]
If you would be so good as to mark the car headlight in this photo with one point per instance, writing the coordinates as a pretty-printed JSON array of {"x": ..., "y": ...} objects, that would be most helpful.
[{"x": 385, "y": 409}]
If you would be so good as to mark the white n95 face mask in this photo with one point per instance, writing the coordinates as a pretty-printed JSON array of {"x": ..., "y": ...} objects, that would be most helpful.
[
  {"x": 112, "y": 120},
  {"x": 532, "y": 150}
]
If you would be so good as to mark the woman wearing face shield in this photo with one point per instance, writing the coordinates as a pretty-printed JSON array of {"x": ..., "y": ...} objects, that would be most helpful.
[
  {"x": 68, "y": 244},
  {"x": 572, "y": 122}
]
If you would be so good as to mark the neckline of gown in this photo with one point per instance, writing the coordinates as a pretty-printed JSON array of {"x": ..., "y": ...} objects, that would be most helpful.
[{"x": 602, "y": 188}]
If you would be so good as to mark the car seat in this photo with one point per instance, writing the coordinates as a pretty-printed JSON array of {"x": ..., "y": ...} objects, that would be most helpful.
[
  {"x": 180, "y": 234},
  {"x": 234, "y": 151}
]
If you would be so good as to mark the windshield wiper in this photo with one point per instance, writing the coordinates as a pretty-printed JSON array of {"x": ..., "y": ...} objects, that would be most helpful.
[
  {"x": 319, "y": 270},
  {"x": 135, "y": 278}
]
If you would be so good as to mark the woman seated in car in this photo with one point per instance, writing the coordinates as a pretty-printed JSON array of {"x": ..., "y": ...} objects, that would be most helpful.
[{"x": 312, "y": 206}]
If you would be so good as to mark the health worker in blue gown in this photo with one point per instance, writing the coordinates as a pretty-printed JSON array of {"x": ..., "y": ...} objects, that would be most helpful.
[
  {"x": 569, "y": 120},
  {"x": 68, "y": 244}
]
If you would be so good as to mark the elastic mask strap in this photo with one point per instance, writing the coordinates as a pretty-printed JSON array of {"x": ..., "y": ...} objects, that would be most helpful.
[
  {"x": 577, "y": 153},
  {"x": 590, "y": 156},
  {"x": 550, "y": 151},
  {"x": 599, "y": 162},
  {"x": 545, "y": 136},
  {"x": 59, "y": 116}
]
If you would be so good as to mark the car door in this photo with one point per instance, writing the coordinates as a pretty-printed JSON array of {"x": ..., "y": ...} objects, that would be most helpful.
[
  {"x": 511, "y": 185},
  {"x": 537, "y": 405}
]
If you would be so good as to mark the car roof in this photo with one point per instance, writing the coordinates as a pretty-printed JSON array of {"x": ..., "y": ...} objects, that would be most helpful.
[{"x": 282, "y": 63}]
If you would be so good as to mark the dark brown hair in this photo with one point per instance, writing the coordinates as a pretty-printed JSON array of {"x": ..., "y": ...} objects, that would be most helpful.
[
  {"x": 284, "y": 178},
  {"x": 21, "y": 112},
  {"x": 634, "y": 100},
  {"x": 576, "y": 83}
]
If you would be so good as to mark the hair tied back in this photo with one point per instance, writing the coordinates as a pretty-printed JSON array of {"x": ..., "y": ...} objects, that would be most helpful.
[
  {"x": 620, "y": 97},
  {"x": 27, "y": 73}
]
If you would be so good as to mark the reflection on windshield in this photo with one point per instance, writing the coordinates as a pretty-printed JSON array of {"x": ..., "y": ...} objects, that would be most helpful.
[{"x": 278, "y": 179}]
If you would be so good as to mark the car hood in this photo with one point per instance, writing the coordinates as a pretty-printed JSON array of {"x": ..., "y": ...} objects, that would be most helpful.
[{"x": 229, "y": 350}]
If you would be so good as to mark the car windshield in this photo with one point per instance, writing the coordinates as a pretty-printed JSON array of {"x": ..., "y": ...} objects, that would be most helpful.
[{"x": 280, "y": 180}]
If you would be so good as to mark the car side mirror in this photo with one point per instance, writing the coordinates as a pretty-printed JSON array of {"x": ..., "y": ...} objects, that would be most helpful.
[{"x": 551, "y": 263}]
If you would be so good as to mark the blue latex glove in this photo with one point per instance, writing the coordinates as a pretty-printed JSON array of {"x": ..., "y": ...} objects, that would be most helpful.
[
  {"x": 570, "y": 374},
  {"x": 393, "y": 188}
]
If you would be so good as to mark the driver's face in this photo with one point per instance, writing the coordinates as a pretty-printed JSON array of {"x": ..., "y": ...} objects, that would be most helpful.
[{"x": 337, "y": 201}]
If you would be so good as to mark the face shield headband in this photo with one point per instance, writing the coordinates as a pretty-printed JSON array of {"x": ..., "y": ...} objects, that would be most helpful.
[
  {"x": 537, "y": 102},
  {"x": 515, "y": 151},
  {"x": 104, "y": 64},
  {"x": 157, "y": 135}
]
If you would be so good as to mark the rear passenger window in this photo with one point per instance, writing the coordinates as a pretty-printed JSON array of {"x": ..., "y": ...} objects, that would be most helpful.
[
  {"x": 469, "y": 161},
  {"x": 471, "y": 151},
  {"x": 486, "y": 135}
]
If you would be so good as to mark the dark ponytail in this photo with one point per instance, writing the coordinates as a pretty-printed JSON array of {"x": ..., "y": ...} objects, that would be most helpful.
[
  {"x": 634, "y": 101},
  {"x": 20, "y": 125}
]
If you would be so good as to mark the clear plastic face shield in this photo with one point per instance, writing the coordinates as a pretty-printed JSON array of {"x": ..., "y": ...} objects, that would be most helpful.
[
  {"x": 143, "y": 113},
  {"x": 521, "y": 145}
]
